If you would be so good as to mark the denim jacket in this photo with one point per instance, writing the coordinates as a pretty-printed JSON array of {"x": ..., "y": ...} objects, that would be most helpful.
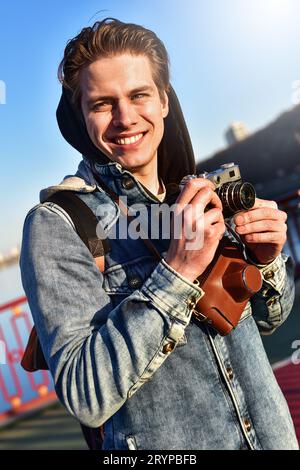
[{"x": 122, "y": 347}]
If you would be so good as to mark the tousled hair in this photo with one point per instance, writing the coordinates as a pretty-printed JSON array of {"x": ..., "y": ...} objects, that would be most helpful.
[{"x": 108, "y": 38}]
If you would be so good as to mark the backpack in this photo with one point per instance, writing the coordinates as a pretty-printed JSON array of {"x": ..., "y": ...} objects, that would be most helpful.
[{"x": 85, "y": 223}]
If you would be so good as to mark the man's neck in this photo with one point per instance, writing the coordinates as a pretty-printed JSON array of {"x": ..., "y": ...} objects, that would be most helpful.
[
  {"x": 154, "y": 186},
  {"x": 149, "y": 178}
]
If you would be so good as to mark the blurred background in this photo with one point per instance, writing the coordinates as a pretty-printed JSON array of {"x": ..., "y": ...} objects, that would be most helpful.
[{"x": 235, "y": 67}]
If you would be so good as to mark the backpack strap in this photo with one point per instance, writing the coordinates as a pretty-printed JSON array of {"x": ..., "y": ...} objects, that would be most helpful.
[
  {"x": 86, "y": 224},
  {"x": 93, "y": 236}
]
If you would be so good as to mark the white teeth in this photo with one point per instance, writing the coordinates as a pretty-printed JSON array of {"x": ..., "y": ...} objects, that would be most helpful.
[{"x": 129, "y": 140}]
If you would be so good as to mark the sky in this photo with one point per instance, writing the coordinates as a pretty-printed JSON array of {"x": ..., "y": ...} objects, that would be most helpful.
[{"x": 230, "y": 60}]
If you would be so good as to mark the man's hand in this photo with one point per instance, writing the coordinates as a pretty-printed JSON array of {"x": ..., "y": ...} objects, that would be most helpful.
[
  {"x": 201, "y": 210},
  {"x": 263, "y": 230}
]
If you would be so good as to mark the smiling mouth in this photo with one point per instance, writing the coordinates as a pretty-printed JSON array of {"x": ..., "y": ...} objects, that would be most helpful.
[{"x": 129, "y": 140}]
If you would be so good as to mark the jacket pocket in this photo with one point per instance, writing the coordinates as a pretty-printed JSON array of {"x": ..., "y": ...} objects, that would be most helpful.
[{"x": 123, "y": 279}]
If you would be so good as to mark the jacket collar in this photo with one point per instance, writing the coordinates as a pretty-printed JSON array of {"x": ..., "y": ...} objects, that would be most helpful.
[
  {"x": 121, "y": 182},
  {"x": 89, "y": 176}
]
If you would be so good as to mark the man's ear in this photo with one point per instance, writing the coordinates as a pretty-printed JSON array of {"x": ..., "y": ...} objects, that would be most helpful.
[{"x": 165, "y": 105}]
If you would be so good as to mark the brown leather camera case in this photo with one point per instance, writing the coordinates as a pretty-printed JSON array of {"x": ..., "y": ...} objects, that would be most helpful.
[{"x": 228, "y": 283}]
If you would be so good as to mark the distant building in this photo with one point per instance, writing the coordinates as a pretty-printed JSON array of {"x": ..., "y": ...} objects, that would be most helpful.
[
  {"x": 236, "y": 132},
  {"x": 265, "y": 154},
  {"x": 10, "y": 258}
]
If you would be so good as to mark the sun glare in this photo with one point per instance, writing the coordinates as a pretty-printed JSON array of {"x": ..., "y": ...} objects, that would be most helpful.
[
  {"x": 267, "y": 18},
  {"x": 274, "y": 8}
]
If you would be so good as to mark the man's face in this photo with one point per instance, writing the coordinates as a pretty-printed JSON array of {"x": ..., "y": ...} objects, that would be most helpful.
[{"x": 123, "y": 110}]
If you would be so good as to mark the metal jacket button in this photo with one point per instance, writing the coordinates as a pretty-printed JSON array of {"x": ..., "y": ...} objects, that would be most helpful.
[
  {"x": 127, "y": 183},
  {"x": 168, "y": 347},
  {"x": 269, "y": 275},
  {"x": 247, "y": 424},
  {"x": 191, "y": 302},
  {"x": 134, "y": 282},
  {"x": 229, "y": 373}
]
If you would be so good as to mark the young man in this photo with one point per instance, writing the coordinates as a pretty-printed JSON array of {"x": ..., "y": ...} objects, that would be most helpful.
[{"x": 121, "y": 346}]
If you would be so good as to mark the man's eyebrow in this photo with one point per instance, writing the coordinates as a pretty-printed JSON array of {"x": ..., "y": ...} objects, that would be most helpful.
[
  {"x": 141, "y": 88},
  {"x": 111, "y": 98}
]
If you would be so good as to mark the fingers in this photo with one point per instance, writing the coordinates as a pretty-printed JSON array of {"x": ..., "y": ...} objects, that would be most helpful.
[
  {"x": 262, "y": 226},
  {"x": 195, "y": 220},
  {"x": 220, "y": 229},
  {"x": 206, "y": 196},
  {"x": 278, "y": 238},
  {"x": 264, "y": 203},
  {"x": 213, "y": 216},
  {"x": 214, "y": 231},
  {"x": 214, "y": 225},
  {"x": 217, "y": 230},
  {"x": 262, "y": 214},
  {"x": 191, "y": 188}
]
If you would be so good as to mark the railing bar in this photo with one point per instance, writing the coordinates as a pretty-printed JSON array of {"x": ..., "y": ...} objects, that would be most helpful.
[{"x": 13, "y": 303}]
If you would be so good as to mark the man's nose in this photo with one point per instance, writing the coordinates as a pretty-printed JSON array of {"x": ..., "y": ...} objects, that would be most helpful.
[{"x": 124, "y": 115}]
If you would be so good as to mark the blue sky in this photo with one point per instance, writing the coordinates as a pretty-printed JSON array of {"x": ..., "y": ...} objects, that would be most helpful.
[{"x": 230, "y": 60}]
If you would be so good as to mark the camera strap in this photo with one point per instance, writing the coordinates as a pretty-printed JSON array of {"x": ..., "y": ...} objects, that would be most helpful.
[{"x": 124, "y": 209}]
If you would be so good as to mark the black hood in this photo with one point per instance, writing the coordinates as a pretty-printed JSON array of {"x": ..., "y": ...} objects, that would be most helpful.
[{"x": 175, "y": 153}]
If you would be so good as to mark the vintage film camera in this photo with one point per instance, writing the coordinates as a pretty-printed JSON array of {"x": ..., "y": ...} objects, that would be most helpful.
[
  {"x": 235, "y": 195},
  {"x": 229, "y": 281}
]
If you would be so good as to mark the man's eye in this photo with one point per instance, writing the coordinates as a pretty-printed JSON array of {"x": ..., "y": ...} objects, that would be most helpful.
[
  {"x": 102, "y": 106},
  {"x": 139, "y": 96}
]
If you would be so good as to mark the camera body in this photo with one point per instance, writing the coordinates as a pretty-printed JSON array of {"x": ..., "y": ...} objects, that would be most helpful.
[
  {"x": 235, "y": 194},
  {"x": 229, "y": 281}
]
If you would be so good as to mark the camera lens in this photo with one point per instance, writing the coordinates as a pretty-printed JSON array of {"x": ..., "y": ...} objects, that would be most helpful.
[
  {"x": 236, "y": 196},
  {"x": 247, "y": 195}
]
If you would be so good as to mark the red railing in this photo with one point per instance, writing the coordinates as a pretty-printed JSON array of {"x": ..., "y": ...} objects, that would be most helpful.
[
  {"x": 288, "y": 378},
  {"x": 20, "y": 391},
  {"x": 290, "y": 203}
]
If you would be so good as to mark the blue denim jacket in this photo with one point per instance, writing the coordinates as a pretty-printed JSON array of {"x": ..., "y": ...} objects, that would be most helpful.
[{"x": 121, "y": 345}]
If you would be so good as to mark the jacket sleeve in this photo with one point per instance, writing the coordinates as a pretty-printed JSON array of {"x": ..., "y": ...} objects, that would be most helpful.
[
  {"x": 99, "y": 356},
  {"x": 273, "y": 303}
]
